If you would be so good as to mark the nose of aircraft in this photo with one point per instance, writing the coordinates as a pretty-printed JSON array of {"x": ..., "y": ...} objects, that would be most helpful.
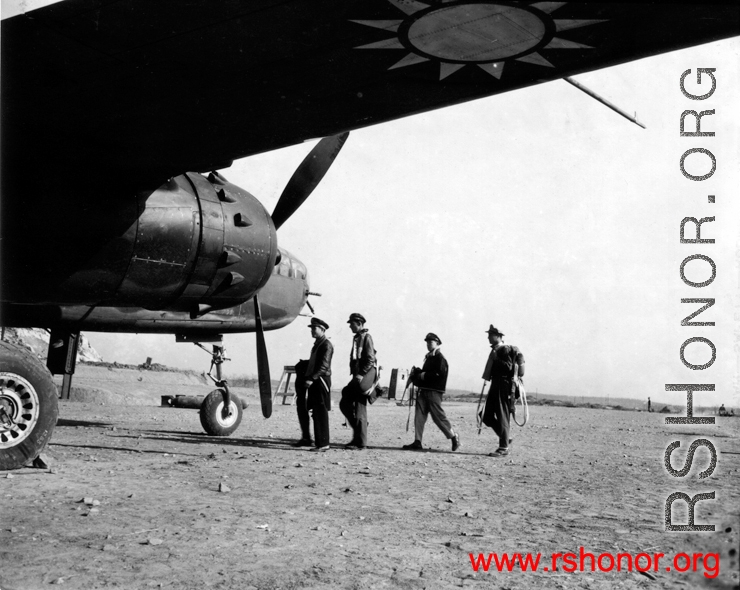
[{"x": 286, "y": 292}]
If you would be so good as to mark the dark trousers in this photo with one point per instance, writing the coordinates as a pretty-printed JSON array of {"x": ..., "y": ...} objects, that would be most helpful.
[
  {"x": 354, "y": 407},
  {"x": 301, "y": 407},
  {"x": 497, "y": 413},
  {"x": 318, "y": 403}
]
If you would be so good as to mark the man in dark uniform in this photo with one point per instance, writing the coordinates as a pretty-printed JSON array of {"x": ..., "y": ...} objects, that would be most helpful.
[
  {"x": 317, "y": 381},
  {"x": 356, "y": 394},
  {"x": 431, "y": 380},
  {"x": 502, "y": 364}
]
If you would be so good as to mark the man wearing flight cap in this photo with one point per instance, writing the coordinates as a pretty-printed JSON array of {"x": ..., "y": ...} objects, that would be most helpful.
[
  {"x": 358, "y": 392},
  {"x": 431, "y": 380},
  {"x": 317, "y": 381},
  {"x": 503, "y": 361}
]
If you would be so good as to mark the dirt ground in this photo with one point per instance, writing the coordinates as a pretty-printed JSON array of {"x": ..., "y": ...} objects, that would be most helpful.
[{"x": 168, "y": 507}]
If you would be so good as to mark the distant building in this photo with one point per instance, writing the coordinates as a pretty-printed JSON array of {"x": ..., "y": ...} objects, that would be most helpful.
[{"x": 397, "y": 385}]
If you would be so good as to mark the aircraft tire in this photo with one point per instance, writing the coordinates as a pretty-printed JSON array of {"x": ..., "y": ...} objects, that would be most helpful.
[
  {"x": 28, "y": 397},
  {"x": 210, "y": 414}
]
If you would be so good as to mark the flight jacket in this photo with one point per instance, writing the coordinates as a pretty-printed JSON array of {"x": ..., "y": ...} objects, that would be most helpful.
[
  {"x": 501, "y": 362},
  {"x": 362, "y": 355},
  {"x": 320, "y": 362},
  {"x": 433, "y": 374}
]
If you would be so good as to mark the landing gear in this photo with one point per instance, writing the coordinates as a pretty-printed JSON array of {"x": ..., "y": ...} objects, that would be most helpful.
[
  {"x": 28, "y": 406},
  {"x": 221, "y": 411},
  {"x": 214, "y": 419}
]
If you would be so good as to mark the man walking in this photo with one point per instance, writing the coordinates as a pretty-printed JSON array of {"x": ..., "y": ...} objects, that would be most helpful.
[
  {"x": 503, "y": 362},
  {"x": 431, "y": 380},
  {"x": 363, "y": 368},
  {"x": 317, "y": 381}
]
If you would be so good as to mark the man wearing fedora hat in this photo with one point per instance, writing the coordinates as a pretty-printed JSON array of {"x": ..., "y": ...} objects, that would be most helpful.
[
  {"x": 317, "y": 381},
  {"x": 358, "y": 392},
  {"x": 431, "y": 380},
  {"x": 503, "y": 361}
]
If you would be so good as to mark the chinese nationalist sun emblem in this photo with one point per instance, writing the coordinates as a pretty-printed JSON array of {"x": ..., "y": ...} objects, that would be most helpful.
[{"x": 482, "y": 33}]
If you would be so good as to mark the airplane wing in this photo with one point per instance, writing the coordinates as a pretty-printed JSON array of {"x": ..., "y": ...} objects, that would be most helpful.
[{"x": 157, "y": 88}]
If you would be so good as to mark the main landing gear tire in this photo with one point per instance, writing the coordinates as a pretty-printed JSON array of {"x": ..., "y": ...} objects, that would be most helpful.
[
  {"x": 28, "y": 406},
  {"x": 211, "y": 414}
]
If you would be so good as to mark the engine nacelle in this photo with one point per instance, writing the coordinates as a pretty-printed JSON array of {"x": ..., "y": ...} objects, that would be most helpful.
[{"x": 196, "y": 244}]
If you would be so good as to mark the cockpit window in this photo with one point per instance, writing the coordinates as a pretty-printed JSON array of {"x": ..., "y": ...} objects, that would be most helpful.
[
  {"x": 299, "y": 269},
  {"x": 290, "y": 267}
]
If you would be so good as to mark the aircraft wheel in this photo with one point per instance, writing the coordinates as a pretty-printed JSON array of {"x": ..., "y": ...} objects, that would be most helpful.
[
  {"x": 212, "y": 418},
  {"x": 28, "y": 406}
]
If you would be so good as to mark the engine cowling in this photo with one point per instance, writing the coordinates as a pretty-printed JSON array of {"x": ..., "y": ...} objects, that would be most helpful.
[{"x": 196, "y": 244}]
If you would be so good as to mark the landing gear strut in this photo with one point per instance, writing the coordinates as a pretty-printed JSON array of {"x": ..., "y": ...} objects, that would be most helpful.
[
  {"x": 61, "y": 357},
  {"x": 221, "y": 411}
]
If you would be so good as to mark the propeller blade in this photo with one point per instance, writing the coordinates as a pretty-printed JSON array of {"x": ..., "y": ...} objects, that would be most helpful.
[
  {"x": 263, "y": 364},
  {"x": 307, "y": 176}
]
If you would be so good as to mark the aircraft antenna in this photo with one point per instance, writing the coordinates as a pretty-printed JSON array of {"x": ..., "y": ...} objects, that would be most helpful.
[{"x": 603, "y": 101}]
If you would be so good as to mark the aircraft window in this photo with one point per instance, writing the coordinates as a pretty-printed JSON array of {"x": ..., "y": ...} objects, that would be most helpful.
[
  {"x": 300, "y": 269},
  {"x": 284, "y": 268}
]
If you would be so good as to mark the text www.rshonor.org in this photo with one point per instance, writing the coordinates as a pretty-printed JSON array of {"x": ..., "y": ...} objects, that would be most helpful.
[{"x": 584, "y": 561}]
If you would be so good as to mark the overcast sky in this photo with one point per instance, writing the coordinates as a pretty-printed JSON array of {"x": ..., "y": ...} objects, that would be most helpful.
[{"x": 540, "y": 211}]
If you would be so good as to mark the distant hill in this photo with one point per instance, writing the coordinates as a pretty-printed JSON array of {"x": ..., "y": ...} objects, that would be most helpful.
[
  {"x": 616, "y": 403},
  {"x": 37, "y": 341}
]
